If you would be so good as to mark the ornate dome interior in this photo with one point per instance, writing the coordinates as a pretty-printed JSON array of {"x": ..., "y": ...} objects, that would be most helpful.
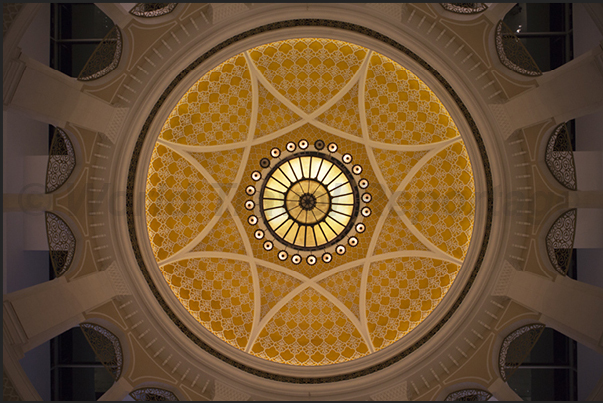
[
  {"x": 306, "y": 201},
  {"x": 341, "y": 302}
]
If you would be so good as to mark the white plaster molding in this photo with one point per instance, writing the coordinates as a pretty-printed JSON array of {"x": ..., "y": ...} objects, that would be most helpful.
[
  {"x": 391, "y": 11},
  {"x": 117, "y": 122},
  {"x": 504, "y": 280},
  {"x": 224, "y": 392},
  {"x": 222, "y": 11},
  {"x": 396, "y": 394},
  {"x": 502, "y": 119},
  {"x": 117, "y": 280},
  {"x": 11, "y": 76}
]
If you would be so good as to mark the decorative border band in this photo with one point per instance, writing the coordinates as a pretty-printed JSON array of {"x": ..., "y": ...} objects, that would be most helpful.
[{"x": 272, "y": 27}]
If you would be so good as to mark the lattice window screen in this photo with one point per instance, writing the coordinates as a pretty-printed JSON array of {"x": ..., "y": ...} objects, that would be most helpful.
[
  {"x": 559, "y": 158},
  {"x": 464, "y": 8},
  {"x": 516, "y": 347},
  {"x": 61, "y": 243},
  {"x": 106, "y": 346},
  {"x": 153, "y": 395},
  {"x": 512, "y": 53},
  {"x": 468, "y": 395},
  {"x": 560, "y": 241},
  {"x": 61, "y": 161},
  {"x": 150, "y": 10},
  {"x": 105, "y": 57}
]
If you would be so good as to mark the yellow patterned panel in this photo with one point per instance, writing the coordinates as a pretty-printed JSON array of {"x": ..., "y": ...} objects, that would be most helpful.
[
  {"x": 218, "y": 293},
  {"x": 401, "y": 293},
  {"x": 273, "y": 115},
  {"x": 216, "y": 110},
  {"x": 395, "y": 236},
  {"x": 179, "y": 202},
  {"x": 309, "y": 330},
  {"x": 345, "y": 286},
  {"x": 401, "y": 109},
  {"x": 440, "y": 200},
  {"x": 223, "y": 237},
  {"x": 344, "y": 115},
  {"x": 394, "y": 165},
  {"x": 308, "y": 71},
  {"x": 221, "y": 165},
  {"x": 274, "y": 286}
]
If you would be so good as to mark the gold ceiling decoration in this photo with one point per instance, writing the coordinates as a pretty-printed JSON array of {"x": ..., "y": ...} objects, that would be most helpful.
[{"x": 204, "y": 172}]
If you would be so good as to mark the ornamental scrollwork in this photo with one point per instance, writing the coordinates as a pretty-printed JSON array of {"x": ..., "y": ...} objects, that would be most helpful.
[
  {"x": 106, "y": 346},
  {"x": 468, "y": 395},
  {"x": 153, "y": 395},
  {"x": 150, "y": 10},
  {"x": 61, "y": 243},
  {"x": 512, "y": 53},
  {"x": 61, "y": 161},
  {"x": 560, "y": 241},
  {"x": 559, "y": 157},
  {"x": 464, "y": 8},
  {"x": 516, "y": 347},
  {"x": 105, "y": 57}
]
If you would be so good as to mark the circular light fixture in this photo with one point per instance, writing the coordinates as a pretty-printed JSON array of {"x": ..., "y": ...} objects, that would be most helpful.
[
  {"x": 366, "y": 212},
  {"x": 268, "y": 245},
  {"x": 250, "y": 190},
  {"x": 259, "y": 234},
  {"x": 256, "y": 176},
  {"x": 353, "y": 241},
  {"x": 347, "y": 158},
  {"x": 252, "y": 220},
  {"x": 275, "y": 152},
  {"x": 367, "y": 197},
  {"x": 357, "y": 169},
  {"x": 309, "y": 201},
  {"x": 332, "y": 147},
  {"x": 311, "y": 260},
  {"x": 249, "y": 204},
  {"x": 282, "y": 255},
  {"x": 363, "y": 183},
  {"x": 319, "y": 144},
  {"x": 303, "y": 144},
  {"x": 340, "y": 249},
  {"x": 360, "y": 227},
  {"x": 327, "y": 257},
  {"x": 296, "y": 259},
  {"x": 264, "y": 162},
  {"x": 291, "y": 146}
]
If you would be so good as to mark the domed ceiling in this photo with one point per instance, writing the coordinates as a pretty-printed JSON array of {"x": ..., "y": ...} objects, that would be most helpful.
[{"x": 309, "y": 201}]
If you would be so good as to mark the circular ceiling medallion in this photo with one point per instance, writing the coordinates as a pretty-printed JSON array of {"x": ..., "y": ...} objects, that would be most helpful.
[{"x": 309, "y": 202}]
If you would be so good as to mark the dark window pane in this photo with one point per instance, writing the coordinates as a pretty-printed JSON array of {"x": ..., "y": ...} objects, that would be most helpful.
[
  {"x": 552, "y": 348},
  {"x": 82, "y": 21},
  {"x": 544, "y": 384},
  {"x": 539, "y": 17},
  {"x": 82, "y": 384},
  {"x": 74, "y": 348},
  {"x": 80, "y": 53}
]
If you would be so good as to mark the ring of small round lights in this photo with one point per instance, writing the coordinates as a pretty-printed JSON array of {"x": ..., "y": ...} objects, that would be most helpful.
[{"x": 308, "y": 201}]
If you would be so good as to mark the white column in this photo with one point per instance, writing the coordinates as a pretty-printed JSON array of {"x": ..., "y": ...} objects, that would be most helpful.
[
  {"x": 118, "y": 391},
  {"x": 52, "y": 97},
  {"x": 502, "y": 391},
  {"x": 589, "y": 227},
  {"x": 27, "y": 202},
  {"x": 568, "y": 306},
  {"x": 117, "y": 13},
  {"x": 571, "y": 91},
  {"x": 39, "y": 313},
  {"x": 589, "y": 168},
  {"x": 497, "y": 11}
]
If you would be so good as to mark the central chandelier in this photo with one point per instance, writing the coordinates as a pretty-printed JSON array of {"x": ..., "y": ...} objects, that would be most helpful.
[{"x": 307, "y": 203}]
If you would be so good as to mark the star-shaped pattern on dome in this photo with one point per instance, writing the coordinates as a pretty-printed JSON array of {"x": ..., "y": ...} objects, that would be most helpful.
[{"x": 373, "y": 108}]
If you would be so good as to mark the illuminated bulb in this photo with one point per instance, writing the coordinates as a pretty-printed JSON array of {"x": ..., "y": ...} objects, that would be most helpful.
[
  {"x": 363, "y": 183},
  {"x": 256, "y": 176},
  {"x": 357, "y": 169},
  {"x": 366, "y": 212},
  {"x": 282, "y": 255},
  {"x": 367, "y": 197},
  {"x": 275, "y": 152},
  {"x": 353, "y": 241},
  {"x": 259, "y": 234},
  {"x": 347, "y": 158},
  {"x": 360, "y": 227},
  {"x": 296, "y": 259},
  {"x": 264, "y": 162},
  {"x": 303, "y": 144},
  {"x": 249, "y": 204},
  {"x": 291, "y": 146},
  {"x": 340, "y": 250},
  {"x": 311, "y": 260},
  {"x": 252, "y": 220},
  {"x": 268, "y": 245},
  {"x": 250, "y": 190},
  {"x": 327, "y": 257},
  {"x": 319, "y": 144},
  {"x": 332, "y": 147}
]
